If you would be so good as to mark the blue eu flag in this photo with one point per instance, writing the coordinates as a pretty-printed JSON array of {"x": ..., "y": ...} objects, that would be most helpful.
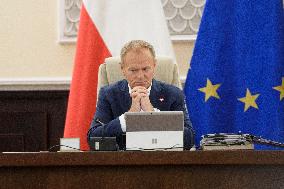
[{"x": 236, "y": 80}]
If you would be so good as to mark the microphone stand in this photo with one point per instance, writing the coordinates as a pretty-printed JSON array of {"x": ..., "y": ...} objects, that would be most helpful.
[{"x": 103, "y": 127}]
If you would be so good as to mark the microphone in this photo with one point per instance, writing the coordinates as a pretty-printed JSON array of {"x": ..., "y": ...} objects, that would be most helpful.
[
  {"x": 103, "y": 143},
  {"x": 103, "y": 127}
]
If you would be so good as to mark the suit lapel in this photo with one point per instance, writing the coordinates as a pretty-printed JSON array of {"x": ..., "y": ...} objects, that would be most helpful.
[
  {"x": 125, "y": 96},
  {"x": 156, "y": 96}
]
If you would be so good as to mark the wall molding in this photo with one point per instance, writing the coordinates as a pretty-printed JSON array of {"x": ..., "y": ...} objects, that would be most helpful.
[
  {"x": 35, "y": 84},
  {"x": 183, "y": 19}
]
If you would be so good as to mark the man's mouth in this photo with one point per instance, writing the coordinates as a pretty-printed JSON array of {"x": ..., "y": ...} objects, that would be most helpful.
[{"x": 140, "y": 83}]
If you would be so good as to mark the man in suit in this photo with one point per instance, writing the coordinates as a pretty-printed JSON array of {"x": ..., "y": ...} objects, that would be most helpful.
[{"x": 138, "y": 92}]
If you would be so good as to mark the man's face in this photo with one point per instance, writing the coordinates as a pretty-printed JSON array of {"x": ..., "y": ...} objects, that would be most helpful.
[{"x": 138, "y": 68}]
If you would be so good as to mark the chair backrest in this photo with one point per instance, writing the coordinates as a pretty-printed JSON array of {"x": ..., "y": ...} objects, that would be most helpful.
[{"x": 110, "y": 72}]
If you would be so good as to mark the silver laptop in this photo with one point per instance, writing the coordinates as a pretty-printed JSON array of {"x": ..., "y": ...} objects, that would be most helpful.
[{"x": 154, "y": 130}]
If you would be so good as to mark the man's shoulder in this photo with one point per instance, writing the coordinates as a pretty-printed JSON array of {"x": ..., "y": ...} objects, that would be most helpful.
[
  {"x": 114, "y": 86},
  {"x": 166, "y": 86}
]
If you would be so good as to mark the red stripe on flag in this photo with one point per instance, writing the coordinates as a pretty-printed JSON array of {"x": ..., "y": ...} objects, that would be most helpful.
[{"x": 91, "y": 52}]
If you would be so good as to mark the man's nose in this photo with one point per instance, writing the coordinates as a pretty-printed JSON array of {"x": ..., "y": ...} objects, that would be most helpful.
[{"x": 140, "y": 74}]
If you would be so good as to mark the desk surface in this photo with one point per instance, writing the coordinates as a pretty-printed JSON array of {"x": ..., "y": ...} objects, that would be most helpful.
[
  {"x": 246, "y": 157},
  {"x": 160, "y": 169}
]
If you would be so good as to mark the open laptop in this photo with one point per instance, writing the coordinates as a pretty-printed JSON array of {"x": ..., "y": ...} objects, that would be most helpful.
[{"x": 154, "y": 130}]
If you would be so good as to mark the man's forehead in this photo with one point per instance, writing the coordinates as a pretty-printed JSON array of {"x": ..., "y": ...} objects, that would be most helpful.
[
  {"x": 139, "y": 66},
  {"x": 139, "y": 62},
  {"x": 139, "y": 52},
  {"x": 138, "y": 59}
]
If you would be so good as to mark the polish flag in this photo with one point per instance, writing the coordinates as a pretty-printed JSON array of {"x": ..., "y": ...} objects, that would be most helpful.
[{"x": 105, "y": 26}]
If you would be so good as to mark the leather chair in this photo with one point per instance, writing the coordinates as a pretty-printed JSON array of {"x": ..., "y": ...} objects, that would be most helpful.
[{"x": 110, "y": 72}]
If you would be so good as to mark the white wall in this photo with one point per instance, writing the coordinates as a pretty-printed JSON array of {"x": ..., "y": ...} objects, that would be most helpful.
[{"x": 29, "y": 47}]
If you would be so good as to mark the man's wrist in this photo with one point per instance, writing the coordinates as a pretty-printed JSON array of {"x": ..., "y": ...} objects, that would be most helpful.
[{"x": 134, "y": 109}]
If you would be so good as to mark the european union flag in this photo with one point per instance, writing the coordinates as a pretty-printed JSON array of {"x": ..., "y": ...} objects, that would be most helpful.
[{"x": 236, "y": 80}]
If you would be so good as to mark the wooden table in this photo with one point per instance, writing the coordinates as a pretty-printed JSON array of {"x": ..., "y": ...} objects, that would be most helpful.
[{"x": 185, "y": 169}]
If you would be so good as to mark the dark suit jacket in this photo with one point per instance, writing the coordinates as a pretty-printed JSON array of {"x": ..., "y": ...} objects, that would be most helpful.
[{"x": 114, "y": 100}]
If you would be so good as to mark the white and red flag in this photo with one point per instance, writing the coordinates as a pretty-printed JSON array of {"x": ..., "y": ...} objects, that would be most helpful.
[{"x": 105, "y": 26}]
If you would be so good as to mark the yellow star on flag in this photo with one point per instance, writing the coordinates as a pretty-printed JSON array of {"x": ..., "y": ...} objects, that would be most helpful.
[
  {"x": 249, "y": 100},
  {"x": 280, "y": 88},
  {"x": 210, "y": 90}
]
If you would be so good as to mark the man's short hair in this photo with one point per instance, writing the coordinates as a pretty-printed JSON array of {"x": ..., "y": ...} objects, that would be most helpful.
[{"x": 136, "y": 44}]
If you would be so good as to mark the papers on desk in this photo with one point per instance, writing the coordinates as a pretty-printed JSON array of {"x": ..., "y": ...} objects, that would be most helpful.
[{"x": 226, "y": 141}]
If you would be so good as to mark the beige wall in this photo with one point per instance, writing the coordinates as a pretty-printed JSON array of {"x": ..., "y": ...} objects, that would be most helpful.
[
  {"x": 183, "y": 51},
  {"x": 28, "y": 38},
  {"x": 29, "y": 47}
]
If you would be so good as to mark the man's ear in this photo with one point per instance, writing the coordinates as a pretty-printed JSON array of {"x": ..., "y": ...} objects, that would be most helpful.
[
  {"x": 122, "y": 68},
  {"x": 155, "y": 62}
]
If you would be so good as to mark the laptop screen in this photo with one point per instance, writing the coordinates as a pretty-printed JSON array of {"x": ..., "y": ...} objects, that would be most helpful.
[{"x": 154, "y": 121}]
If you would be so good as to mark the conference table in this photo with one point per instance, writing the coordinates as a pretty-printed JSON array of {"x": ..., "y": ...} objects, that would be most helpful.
[{"x": 148, "y": 169}]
